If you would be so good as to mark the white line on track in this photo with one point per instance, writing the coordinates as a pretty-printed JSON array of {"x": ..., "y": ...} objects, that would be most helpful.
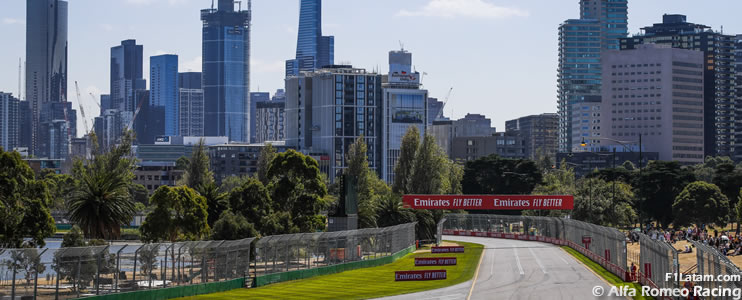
[
  {"x": 538, "y": 261},
  {"x": 517, "y": 261},
  {"x": 492, "y": 267},
  {"x": 562, "y": 258}
]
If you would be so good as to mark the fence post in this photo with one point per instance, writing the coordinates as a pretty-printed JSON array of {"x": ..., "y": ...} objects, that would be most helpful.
[
  {"x": 77, "y": 276},
  {"x": 97, "y": 271},
  {"x": 36, "y": 275},
  {"x": 134, "y": 275},
  {"x": 12, "y": 284},
  {"x": 118, "y": 269}
]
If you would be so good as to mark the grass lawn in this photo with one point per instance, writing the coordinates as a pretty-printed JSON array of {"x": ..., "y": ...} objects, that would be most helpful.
[
  {"x": 364, "y": 283},
  {"x": 608, "y": 276}
]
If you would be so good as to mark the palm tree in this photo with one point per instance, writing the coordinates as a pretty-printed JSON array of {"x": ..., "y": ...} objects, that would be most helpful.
[
  {"x": 391, "y": 211},
  {"x": 102, "y": 202}
]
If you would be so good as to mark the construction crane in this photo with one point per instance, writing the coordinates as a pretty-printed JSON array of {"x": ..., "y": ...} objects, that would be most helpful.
[
  {"x": 139, "y": 107},
  {"x": 82, "y": 111},
  {"x": 94, "y": 100},
  {"x": 445, "y": 101}
]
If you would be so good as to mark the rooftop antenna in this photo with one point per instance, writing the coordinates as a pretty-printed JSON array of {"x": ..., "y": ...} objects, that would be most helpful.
[
  {"x": 212, "y": 4},
  {"x": 401, "y": 45},
  {"x": 239, "y": 5}
]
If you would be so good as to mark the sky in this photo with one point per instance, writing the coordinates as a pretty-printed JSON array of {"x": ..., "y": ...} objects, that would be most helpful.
[{"x": 499, "y": 56}]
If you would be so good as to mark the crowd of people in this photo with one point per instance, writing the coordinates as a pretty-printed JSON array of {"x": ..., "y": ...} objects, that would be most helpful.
[{"x": 727, "y": 243}]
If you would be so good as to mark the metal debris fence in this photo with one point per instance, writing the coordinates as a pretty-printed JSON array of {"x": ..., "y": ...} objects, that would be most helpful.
[
  {"x": 716, "y": 265},
  {"x": 66, "y": 273},
  {"x": 656, "y": 259}
]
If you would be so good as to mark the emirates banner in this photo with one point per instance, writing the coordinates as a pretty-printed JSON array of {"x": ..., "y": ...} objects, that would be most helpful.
[{"x": 502, "y": 202}]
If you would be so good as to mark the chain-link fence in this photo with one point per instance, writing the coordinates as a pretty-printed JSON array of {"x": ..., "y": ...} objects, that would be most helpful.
[
  {"x": 291, "y": 252},
  {"x": 65, "y": 273},
  {"x": 604, "y": 245},
  {"x": 657, "y": 259},
  {"x": 715, "y": 267}
]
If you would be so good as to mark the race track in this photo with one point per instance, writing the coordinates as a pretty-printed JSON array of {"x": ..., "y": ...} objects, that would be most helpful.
[{"x": 514, "y": 269}]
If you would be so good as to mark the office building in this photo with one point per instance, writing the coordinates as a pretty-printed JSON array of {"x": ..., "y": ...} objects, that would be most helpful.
[
  {"x": 581, "y": 41},
  {"x": 105, "y": 103},
  {"x": 279, "y": 95},
  {"x": 738, "y": 82},
  {"x": 327, "y": 110},
  {"x": 584, "y": 163},
  {"x": 226, "y": 70},
  {"x": 473, "y": 125},
  {"x": 191, "y": 106},
  {"x": 313, "y": 51},
  {"x": 539, "y": 133},
  {"x": 57, "y": 127},
  {"x": 239, "y": 160},
  {"x": 656, "y": 92},
  {"x": 504, "y": 144},
  {"x": 46, "y": 59},
  {"x": 26, "y": 121},
  {"x": 270, "y": 119},
  {"x": 153, "y": 175},
  {"x": 719, "y": 91},
  {"x": 150, "y": 120},
  {"x": 254, "y": 98},
  {"x": 435, "y": 111},
  {"x": 81, "y": 147},
  {"x": 107, "y": 128},
  {"x": 163, "y": 91},
  {"x": 405, "y": 105},
  {"x": 10, "y": 121},
  {"x": 442, "y": 131},
  {"x": 126, "y": 79}
]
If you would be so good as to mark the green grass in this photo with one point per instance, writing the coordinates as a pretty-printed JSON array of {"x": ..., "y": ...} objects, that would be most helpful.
[
  {"x": 364, "y": 283},
  {"x": 608, "y": 276}
]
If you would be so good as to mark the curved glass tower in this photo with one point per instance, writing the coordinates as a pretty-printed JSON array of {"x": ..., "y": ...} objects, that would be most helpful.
[{"x": 313, "y": 51}]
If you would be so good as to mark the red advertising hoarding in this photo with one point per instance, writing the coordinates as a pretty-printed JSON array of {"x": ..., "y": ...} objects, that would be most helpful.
[
  {"x": 419, "y": 275},
  {"x": 435, "y": 261},
  {"x": 447, "y": 249},
  {"x": 503, "y": 202}
]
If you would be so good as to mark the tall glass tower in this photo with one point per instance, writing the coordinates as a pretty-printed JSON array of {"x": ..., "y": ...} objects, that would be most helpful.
[
  {"x": 46, "y": 59},
  {"x": 602, "y": 23},
  {"x": 313, "y": 51},
  {"x": 226, "y": 70},
  {"x": 164, "y": 89}
]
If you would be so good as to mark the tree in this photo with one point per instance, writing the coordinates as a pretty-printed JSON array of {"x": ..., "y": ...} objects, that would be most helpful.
[
  {"x": 24, "y": 204},
  {"x": 60, "y": 187},
  {"x": 25, "y": 261},
  {"x": 628, "y": 165},
  {"x": 700, "y": 203},
  {"x": 267, "y": 154},
  {"x": 391, "y": 212},
  {"x": 297, "y": 188},
  {"x": 139, "y": 193},
  {"x": 232, "y": 182},
  {"x": 657, "y": 186},
  {"x": 613, "y": 174},
  {"x": 496, "y": 175},
  {"x": 180, "y": 213},
  {"x": 429, "y": 173},
  {"x": 556, "y": 182},
  {"x": 73, "y": 238},
  {"x": 604, "y": 203},
  {"x": 216, "y": 201},
  {"x": 231, "y": 226},
  {"x": 367, "y": 183},
  {"x": 198, "y": 172},
  {"x": 738, "y": 209},
  {"x": 252, "y": 201},
  {"x": 729, "y": 180},
  {"x": 706, "y": 170},
  {"x": 182, "y": 163},
  {"x": 102, "y": 201},
  {"x": 406, "y": 161}
]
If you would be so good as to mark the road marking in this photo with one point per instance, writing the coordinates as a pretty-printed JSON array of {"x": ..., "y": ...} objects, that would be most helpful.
[
  {"x": 517, "y": 260},
  {"x": 538, "y": 261},
  {"x": 562, "y": 258},
  {"x": 476, "y": 274}
]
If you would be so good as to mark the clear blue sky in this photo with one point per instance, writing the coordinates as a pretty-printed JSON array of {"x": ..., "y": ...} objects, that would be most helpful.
[{"x": 499, "y": 55}]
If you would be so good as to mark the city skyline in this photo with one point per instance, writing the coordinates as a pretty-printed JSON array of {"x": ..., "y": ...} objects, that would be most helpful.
[{"x": 417, "y": 24}]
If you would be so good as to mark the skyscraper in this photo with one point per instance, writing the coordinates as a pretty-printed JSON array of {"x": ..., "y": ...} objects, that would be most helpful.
[
  {"x": 254, "y": 99},
  {"x": 719, "y": 91},
  {"x": 10, "y": 120},
  {"x": 191, "y": 107},
  {"x": 226, "y": 70},
  {"x": 164, "y": 89},
  {"x": 126, "y": 75},
  {"x": 538, "y": 132},
  {"x": 46, "y": 58},
  {"x": 404, "y": 106},
  {"x": 581, "y": 41},
  {"x": 313, "y": 51}
]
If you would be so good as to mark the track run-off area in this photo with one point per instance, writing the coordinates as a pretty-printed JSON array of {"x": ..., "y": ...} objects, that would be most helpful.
[{"x": 515, "y": 269}]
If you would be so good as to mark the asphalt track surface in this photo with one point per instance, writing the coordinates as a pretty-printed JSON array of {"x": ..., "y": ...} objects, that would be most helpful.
[{"x": 513, "y": 269}]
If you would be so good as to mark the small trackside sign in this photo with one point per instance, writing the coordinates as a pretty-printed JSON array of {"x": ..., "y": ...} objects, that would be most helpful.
[
  {"x": 419, "y": 275},
  {"x": 447, "y": 249},
  {"x": 435, "y": 261}
]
